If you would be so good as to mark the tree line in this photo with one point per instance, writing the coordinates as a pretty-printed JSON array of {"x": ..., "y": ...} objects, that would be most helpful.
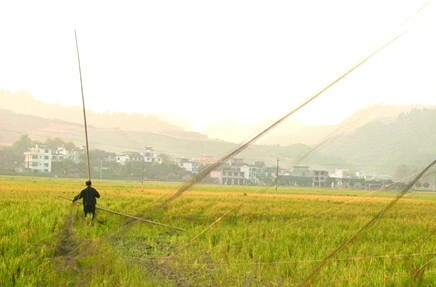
[{"x": 12, "y": 163}]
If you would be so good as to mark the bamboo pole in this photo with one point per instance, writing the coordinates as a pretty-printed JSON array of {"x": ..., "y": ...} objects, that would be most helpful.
[{"x": 132, "y": 216}]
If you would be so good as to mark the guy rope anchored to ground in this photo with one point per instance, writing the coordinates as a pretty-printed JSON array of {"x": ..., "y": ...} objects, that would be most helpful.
[
  {"x": 202, "y": 174},
  {"x": 187, "y": 185}
]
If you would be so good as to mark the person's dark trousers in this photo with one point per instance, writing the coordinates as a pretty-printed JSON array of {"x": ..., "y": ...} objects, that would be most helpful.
[{"x": 89, "y": 208}]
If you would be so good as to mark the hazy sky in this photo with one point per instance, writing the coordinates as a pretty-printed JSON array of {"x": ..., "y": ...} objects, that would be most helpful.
[{"x": 210, "y": 60}]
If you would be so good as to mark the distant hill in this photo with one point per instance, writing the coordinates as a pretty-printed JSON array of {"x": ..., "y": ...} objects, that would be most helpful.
[
  {"x": 292, "y": 132},
  {"x": 175, "y": 144},
  {"x": 383, "y": 144},
  {"x": 375, "y": 140},
  {"x": 24, "y": 103}
]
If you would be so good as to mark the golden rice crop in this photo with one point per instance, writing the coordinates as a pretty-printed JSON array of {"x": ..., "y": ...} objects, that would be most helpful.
[{"x": 234, "y": 236}]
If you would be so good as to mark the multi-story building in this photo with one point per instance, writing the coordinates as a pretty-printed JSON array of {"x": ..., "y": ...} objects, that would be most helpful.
[
  {"x": 236, "y": 172},
  {"x": 341, "y": 178},
  {"x": 62, "y": 153},
  {"x": 232, "y": 176},
  {"x": 300, "y": 176},
  {"x": 250, "y": 173},
  {"x": 320, "y": 178},
  {"x": 150, "y": 156},
  {"x": 38, "y": 159},
  {"x": 187, "y": 164},
  {"x": 128, "y": 157},
  {"x": 122, "y": 158}
]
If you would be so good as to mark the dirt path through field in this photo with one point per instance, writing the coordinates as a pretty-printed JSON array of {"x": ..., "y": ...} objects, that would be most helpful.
[{"x": 70, "y": 249}]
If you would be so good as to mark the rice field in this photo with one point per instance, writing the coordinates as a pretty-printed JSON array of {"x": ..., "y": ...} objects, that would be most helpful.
[{"x": 232, "y": 236}]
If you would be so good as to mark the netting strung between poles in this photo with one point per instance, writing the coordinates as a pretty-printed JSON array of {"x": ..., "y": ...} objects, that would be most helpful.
[
  {"x": 381, "y": 142},
  {"x": 378, "y": 153}
]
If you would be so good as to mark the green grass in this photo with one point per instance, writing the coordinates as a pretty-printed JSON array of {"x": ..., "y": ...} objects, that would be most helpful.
[{"x": 274, "y": 238}]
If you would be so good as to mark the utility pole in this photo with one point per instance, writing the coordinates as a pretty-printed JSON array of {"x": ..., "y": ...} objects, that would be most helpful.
[
  {"x": 434, "y": 182},
  {"x": 277, "y": 173},
  {"x": 142, "y": 173}
]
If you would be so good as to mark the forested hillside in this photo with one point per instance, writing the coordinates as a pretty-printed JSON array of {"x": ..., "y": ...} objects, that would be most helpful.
[
  {"x": 174, "y": 144},
  {"x": 24, "y": 103},
  {"x": 381, "y": 146},
  {"x": 378, "y": 139}
]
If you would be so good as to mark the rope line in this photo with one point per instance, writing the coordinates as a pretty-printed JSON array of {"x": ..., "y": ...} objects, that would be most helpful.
[
  {"x": 366, "y": 226},
  {"x": 329, "y": 137},
  {"x": 187, "y": 185},
  {"x": 131, "y": 216},
  {"x": 284, "y": 262},
  {"x": 420, "y": 269},
  {"x": 208, "y": 227},
  {"x": 197, "y": 178}
]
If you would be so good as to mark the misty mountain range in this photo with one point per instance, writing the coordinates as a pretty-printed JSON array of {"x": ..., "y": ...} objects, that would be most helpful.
[{"x": 375, "y": 140}]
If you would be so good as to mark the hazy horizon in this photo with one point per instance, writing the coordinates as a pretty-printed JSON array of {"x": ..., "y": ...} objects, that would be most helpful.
[
  {"x": 221, "y": 129},
  {"x": 245, "y": 62}
]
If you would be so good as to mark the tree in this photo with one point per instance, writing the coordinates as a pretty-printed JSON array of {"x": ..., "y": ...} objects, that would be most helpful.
[
  {"x": 7, "y": 160},
  {"x": 133, "y": 170},
  {"x": 54, "y": 143},
  {"x": 70, "y": 145},
  {"x": 65, "y": 168},
  {"x": 22, "y": 144},
  {"x": 18, "y": 148}
]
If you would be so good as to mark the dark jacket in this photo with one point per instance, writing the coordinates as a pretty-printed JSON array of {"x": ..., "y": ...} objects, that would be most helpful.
[{"x": 89, "y": 195}]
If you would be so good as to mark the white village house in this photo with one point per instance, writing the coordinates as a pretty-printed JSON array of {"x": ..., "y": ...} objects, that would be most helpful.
[
  {"x": 38, "y": 159},
  {"x": 236, "y": 172},
  {"x": 187, "y": 164}
]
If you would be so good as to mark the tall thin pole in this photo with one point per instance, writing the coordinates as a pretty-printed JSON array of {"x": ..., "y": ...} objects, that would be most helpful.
[
  {"x": 142, "y": 172},
  {"x": 277, "y": 173},
  {"x": 84, "y": 110}
]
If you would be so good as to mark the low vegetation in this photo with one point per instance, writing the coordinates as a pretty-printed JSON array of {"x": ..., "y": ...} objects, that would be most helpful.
[{"x": 234, "y": 236}]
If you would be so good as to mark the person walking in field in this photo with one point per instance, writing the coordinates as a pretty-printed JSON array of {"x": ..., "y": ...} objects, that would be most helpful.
[{"x": 89, "y": 195}]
